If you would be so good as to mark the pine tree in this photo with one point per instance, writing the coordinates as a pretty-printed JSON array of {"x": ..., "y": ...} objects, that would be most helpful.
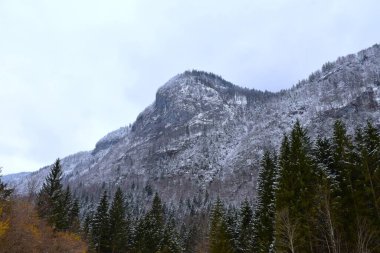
[
  {"x": 365, "y": 187},
  {"x": 118, "y": 223},
  {"x": 156, "y": 222},
  {"x": 344, "y": 205},
  {"x": 296, "y": 196},
  {"x": 170, "y": 242},
  {"x": 74, "y": 222},
  {"x": 264, "y": 213},
  {"x": 150, "y": 230},
  {"x": 370, "y": 168},
  {"x": 232, "y": 220},
  {"x": 246, "y": 227},
  {"x": 284, "y": 194},
  {"x": 326, "y": 225},
  {"x": 65, "y": 209},
  {"x": 87, "y": 226},
  {"x": 51, "y": 197},
  {"x": 323, "y": 156},
  {"x": 100, "y": 229},
  {"x": 190, "y": 236},
  {"x": 220, "y": 241}
]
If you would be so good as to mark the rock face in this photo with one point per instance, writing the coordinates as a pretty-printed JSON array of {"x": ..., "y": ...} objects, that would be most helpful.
[{"x": 204, "y": 135}]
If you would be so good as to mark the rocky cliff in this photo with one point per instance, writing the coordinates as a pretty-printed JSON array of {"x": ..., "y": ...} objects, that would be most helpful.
[{"x": 204, "y": 136}]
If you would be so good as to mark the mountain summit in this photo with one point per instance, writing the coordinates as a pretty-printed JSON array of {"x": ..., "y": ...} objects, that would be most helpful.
[{"x": 205, "y": 135}]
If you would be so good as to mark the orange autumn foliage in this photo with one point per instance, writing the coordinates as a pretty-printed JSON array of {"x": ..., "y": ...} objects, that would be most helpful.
[
  {"x": 4, "y": 223},
  {"x": 26, "y": 232}
]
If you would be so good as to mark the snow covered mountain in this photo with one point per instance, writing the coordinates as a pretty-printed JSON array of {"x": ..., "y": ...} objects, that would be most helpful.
[{"x": 204, "y": 136}]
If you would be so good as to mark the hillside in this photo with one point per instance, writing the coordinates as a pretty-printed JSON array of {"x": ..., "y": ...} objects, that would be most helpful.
[{"x": 205, "y": 136}]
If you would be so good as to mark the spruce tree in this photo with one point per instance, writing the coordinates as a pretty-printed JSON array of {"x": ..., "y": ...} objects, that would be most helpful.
[
  {"x": 156, "y": 223},
  {"x": 118, "y": 223},
  {"x": 74, "y": 222},
  {"x": 264, "y": 213},
  {"x": 100, "y": 228},
  {"x": 170, "y": 242},
  {"x": 66, "y": 206},
  {"x": 220, "y": 241},
  {"x": 370, "y": 167},
  {"x": 50, "y": 199},
  {"x": 345, "y": 206},
  {"x": 246, "y": 232},
  {"x": 87, "y": 226},
  {"x": 365, "y": 180},
  {"x": 232, "y": 221},
  {"x": 328, "y": 233},
  {"x": 190, "y": 236},
  {"x": 150, "y": 230},
  {"x": 284, "y": 194},
  {"x": 323, "y": 156},
  {"x": 296, "y": 196}
]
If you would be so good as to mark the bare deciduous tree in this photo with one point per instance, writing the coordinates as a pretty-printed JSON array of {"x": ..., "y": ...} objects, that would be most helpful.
[
  {"x": 367, "y": 237},
  {"x": 286, "y": 232},
  {"x": 327, "y": 228},
  {"x": 32, "y": 185}
]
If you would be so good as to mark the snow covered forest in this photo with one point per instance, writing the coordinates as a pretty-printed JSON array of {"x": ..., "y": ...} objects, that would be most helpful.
[{"x": 319, "y": 195}]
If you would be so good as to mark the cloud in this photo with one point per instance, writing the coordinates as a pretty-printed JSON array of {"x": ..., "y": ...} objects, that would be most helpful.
[{"x": 72, "y": 71}]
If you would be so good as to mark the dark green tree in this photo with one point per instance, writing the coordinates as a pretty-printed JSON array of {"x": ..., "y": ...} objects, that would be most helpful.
[
  {"x": 118, "y": 223},
  {"x": 170, "y": 242},
  {"x": 246, "y": 232},
  {"x": 65, "y": 209},
  {"x": 345, "y": 207},
  {"x": 100, "y": 227},
  {"x": 74, "y": 221},
  {"x": 323, "y": 156},
  {"x": 220, "y": 241},
  {"x": 365, "y": 188},
  {"x": 328, "y": 233},
  {"x": 265, "y": 207},
  {"x": 232, "y": 221},
  {"x": 150, "y": 230},
  {"x": 190, "y": 236},
  {"x": 87, "y": 223},
  {"x": 295, "y": 195},
  {"x": 50, "y": 199},
  {"x": 368, "y": 147}
]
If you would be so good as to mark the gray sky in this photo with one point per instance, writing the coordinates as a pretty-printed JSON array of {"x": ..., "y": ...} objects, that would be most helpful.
[{"x": 71, "y": 71}]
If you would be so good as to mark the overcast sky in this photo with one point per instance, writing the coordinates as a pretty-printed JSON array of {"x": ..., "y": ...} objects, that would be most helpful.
[{"x": 71, "y": 71}]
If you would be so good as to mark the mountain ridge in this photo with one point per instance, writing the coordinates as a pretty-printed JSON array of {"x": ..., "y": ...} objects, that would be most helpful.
[{"x": 205, "y": 134}]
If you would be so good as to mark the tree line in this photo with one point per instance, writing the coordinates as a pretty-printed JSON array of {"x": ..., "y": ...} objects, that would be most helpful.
[
  {"x": 312, "y": 196},
  {"x": 320, "y": 196}
]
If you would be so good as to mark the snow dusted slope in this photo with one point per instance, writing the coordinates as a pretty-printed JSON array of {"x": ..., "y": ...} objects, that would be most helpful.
[
  {"x": 204, "y": 134},
  {"x": 17, "y": 177}
]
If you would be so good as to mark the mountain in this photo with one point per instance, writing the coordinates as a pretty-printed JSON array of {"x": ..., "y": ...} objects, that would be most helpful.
[{"x": 203, "y": 136}]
